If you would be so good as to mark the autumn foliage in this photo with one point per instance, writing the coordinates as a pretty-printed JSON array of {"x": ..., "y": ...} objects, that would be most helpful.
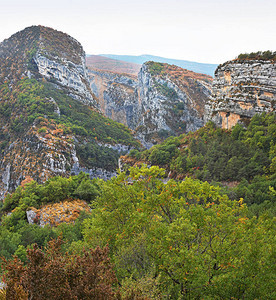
[{"x": 54, "y": 275}]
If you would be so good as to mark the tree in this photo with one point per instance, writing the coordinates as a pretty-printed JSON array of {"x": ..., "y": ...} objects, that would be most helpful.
[
  {"x": 186, "y": 232},
  {"x": 53, "y": 275}
]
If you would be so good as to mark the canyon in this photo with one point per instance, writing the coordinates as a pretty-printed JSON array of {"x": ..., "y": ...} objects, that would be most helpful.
[{"x": 60, "y": 117}]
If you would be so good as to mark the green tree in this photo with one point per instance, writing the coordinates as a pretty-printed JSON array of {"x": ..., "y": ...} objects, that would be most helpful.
[{"x": 185, "y": 232}]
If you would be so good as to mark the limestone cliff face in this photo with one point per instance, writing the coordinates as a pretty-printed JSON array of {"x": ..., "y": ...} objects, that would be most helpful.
[
  {"x": 117, "y": 96},
  {"x": 164, "y": 100},
  {"x": 172, "y": 99},
  {"x": 71, "y": 76},
  {"x": 240, "y": 90},
  {"x": 37, "y": 155}
]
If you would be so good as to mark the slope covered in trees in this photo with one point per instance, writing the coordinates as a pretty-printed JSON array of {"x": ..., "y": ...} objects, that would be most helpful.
[
  {"x": 174, "y": 240},
  {"x": 49, "y": 275},
  {"x": 244, "y": 157}
]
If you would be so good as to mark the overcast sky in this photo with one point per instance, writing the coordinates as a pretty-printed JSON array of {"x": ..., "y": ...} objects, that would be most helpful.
[{"x": 210, "y": 31}]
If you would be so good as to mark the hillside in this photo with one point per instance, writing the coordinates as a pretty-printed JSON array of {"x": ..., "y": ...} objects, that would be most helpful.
[
  {"x": 97, "y": 62},
  {"x": 49, "y": 118},
  {"x": 151, "y": 226},
  {"x": 243, "y": 158},
  {"x": 208, "y": 69}
]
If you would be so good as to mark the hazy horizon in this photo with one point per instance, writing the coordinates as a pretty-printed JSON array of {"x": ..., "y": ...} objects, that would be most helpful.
[{"x": 201, "y": 31}]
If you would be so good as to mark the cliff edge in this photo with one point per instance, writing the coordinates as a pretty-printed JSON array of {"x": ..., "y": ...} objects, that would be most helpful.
[{"x": 241, "y": 89}]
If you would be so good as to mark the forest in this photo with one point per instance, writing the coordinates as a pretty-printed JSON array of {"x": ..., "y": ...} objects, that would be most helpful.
[{"x": 191, "y": 218}]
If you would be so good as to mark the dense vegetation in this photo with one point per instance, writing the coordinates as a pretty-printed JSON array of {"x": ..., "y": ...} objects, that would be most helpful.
[
  {"x": 31, "y": 99},
  {"x": 260, "y": 55},
  {"x": 209, "y": 236},
  {"x": 244, "y": 158},
  {"x": 174, "y": 240},
  {"x": 31, "y": 102},
  {"x": 47, "y": 275}
]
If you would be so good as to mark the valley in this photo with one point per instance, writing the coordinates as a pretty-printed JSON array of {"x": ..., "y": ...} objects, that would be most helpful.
[{"x": 131, "y": 179}]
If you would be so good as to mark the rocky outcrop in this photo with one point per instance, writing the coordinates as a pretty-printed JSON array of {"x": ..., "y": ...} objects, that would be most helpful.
[
  {"x": 39, "y": 51},
  {"x": 164, "y": 100},
  {"x": 240, "y": 90},
  {"x": 57, "y": 213},
  {"x": 38, "y": 155},
  {"x": 64, "y": 65},
  {"x": 171, "y": 100}
]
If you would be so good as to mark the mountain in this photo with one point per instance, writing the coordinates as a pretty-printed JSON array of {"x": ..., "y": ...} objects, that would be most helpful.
[
  {"x": 150, "y": 232},
  {"x": 172, "y": 100},
  {"x": 45, "y": 52},
  {"x": 97, "y": 62},
  {"x": 204, "y": 68},
  {"x": 164, "y": 100},
  {"x": 242, "y": 88},
  {"x": 50, "y": 122}
]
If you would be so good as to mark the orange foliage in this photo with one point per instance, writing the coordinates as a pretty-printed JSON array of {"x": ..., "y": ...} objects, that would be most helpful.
[
  {"x": 67, "y": 211},
  {"x": 28, "y": 179}
]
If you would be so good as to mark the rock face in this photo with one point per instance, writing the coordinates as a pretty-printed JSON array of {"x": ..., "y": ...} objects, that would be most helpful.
[
  {"x": 50, "y": 121},
  {"x": 164, "y": 100},
  {"x": 39, "y": 51},
  {"x": 117, "y": 96},
  {"x": 240, "y": 90},
  {"x": 68, "y": 75},
  {"x": 172, "y": 99}
]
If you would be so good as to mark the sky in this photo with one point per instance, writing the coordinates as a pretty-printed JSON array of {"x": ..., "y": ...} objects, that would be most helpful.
[{"x": 209, "y": 31}]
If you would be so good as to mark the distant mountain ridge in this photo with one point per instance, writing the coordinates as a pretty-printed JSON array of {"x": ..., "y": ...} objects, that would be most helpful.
[
  {"x": 204, "y": 68},
  {"x": 97, "y": 62}
]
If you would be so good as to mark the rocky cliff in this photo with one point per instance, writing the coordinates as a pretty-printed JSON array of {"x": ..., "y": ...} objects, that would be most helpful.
[
  {"x": 50, "y": 123},
  {"x": 172, "y": 100},
  {"x": 117, "y": 96},
  {"x": 164, "y": 100},
  {"x": 39, "y": 51},
  {"x": 241, "y": 89}
]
